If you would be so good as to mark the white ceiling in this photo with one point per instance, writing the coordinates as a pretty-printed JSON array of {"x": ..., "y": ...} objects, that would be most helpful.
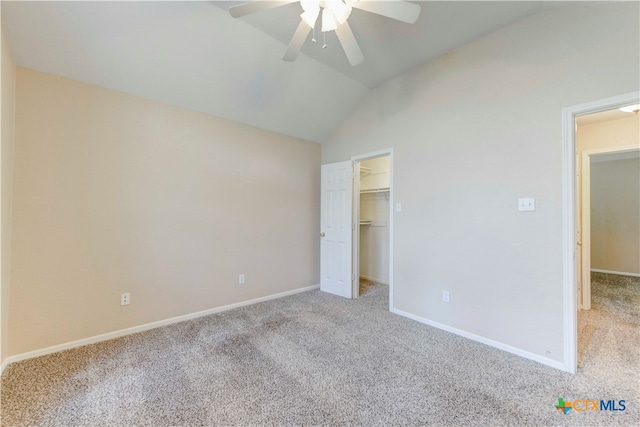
[{"x": 195, "y": 55}]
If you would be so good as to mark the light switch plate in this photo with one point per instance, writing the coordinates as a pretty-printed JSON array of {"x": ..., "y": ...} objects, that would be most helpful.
[{"x": 527, "y": 204}]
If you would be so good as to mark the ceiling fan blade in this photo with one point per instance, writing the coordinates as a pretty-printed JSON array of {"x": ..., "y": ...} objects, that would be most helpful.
[
  {"x": 349, "y": 44},
  {"x": 397, "y": 9},
  {"x": 297, "y": 41},
  {"x": 255, "y": 6}
]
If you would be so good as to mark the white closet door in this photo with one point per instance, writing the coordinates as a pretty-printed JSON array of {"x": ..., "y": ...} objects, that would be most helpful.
[{"x": 336, "y": 229}]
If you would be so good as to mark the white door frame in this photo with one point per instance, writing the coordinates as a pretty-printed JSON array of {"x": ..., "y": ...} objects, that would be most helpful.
[
  {"x": 569, "y": 243},
  {"x": 356, "y": 219},
  {"x": 586, "y": 215}
]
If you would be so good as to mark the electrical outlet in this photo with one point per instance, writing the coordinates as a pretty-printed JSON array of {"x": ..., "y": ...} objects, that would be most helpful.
[
  {"x": 125, "y": 299},
  {"x": 445, "y": 296},
  {"x": 241, "y": 279}
]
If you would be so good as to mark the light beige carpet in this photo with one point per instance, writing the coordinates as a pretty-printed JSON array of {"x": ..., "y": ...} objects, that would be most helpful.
[
  {"x": 317, "y": 359},
  {"x": 367, "y": 286}
]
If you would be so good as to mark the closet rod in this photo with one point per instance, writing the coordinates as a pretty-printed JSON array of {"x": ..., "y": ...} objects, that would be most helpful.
[{"x": 376, "y": 190}]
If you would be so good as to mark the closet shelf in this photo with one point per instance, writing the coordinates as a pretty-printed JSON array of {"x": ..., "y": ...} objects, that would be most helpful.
[
  {"x": 366, "y": 222},
  {"x": 375, "y": 190}
]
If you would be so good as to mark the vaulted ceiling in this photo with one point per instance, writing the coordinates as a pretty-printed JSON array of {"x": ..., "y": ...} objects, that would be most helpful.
[{"x": 195, "y": 55}]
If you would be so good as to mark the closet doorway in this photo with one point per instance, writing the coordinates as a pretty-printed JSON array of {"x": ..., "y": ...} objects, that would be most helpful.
[
  {"x": 373, "y": 219},
  {"x": 572, "y": 236}
]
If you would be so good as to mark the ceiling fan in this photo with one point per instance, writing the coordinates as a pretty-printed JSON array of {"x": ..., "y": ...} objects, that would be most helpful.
[{"x": 334, "y": 15}]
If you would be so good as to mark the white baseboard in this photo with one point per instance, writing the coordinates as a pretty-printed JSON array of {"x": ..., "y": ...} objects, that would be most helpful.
[
  {"x": 619, "y": 273},
  {"x": 517, "y": 351},
  {"x": 373, "y": 279},
  {"x": 146, "y": 327}
]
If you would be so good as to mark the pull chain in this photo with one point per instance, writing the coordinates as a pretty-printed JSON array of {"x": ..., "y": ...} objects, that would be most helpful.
[
  {"x": 313, "y": 37},
  {"x": 325, "y": 40}
]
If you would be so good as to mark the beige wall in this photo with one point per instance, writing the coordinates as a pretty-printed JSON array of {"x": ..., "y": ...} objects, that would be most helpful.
[
  {"x": 623, "y": 132},
  {"x": 7, "y": 131},
  {"x": 472, "y": 132},
  {"x": 615, "y": 215},
  {"x": 609, "y": 134},
  {"x": 114, "y": 193}
]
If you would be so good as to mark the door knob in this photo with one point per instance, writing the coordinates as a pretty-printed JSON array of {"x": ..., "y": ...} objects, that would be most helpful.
[{"x": 322, "y": 234}]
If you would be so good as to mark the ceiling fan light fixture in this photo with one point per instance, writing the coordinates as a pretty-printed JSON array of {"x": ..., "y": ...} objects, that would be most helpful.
[
  {"x": 335, "y": 14},
  {"x": 310, "y": 16},
  {"x": 340, "y": 10},
  {"x": 328, "y": 21},
  {"x": 309, "y": 4}
]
